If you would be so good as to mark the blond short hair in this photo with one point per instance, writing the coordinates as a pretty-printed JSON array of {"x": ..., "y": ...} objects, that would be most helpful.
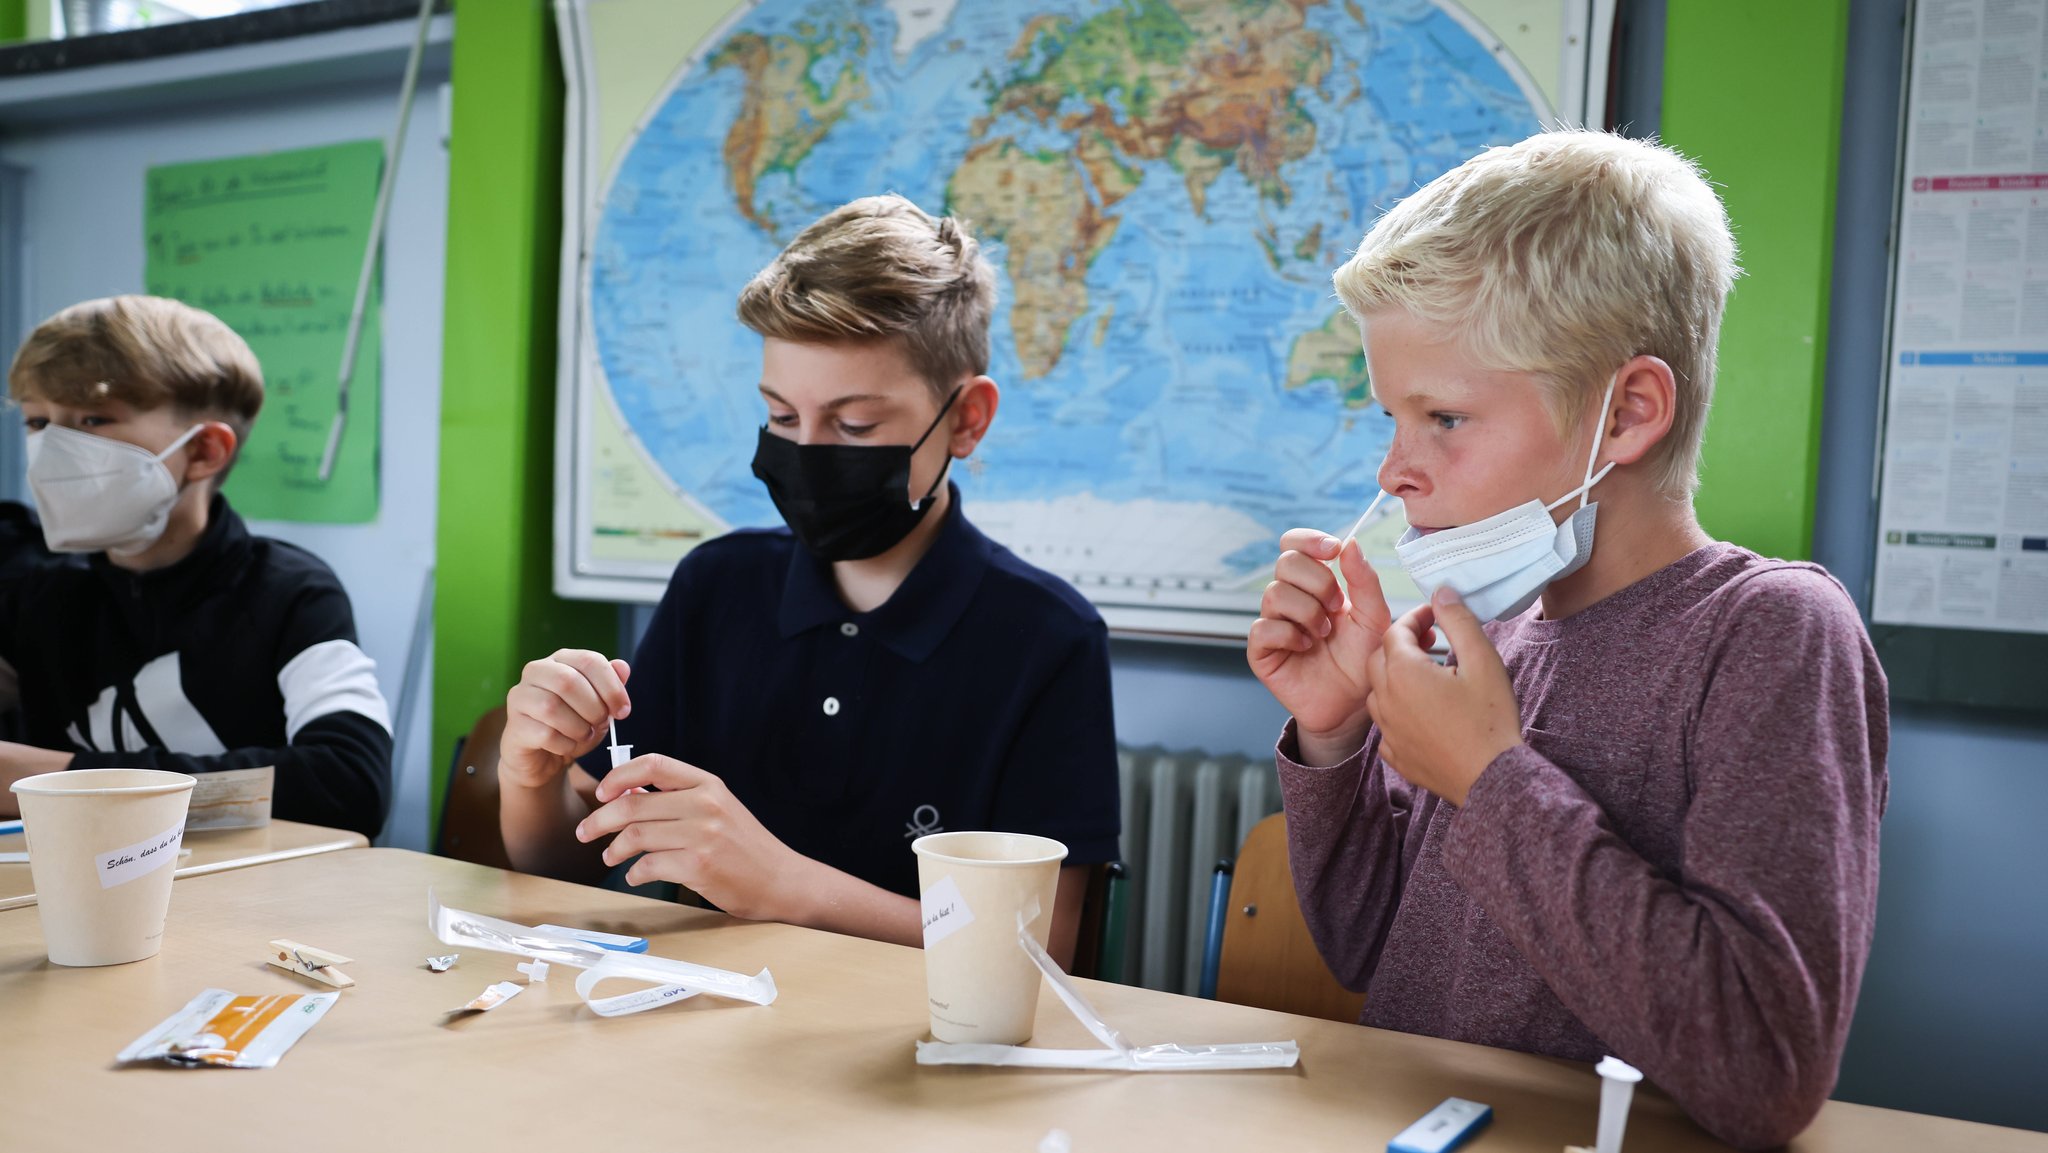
[
  {"x": 1563, "y": 256},
  {"x": 879, "y": 269},
  {"x": 145, "y": 351}
]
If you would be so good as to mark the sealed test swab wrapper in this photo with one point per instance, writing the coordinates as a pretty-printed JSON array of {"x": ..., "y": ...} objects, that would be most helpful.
[
  {"x": 219, "y": 1028},
  {"x": 1119, "y": 1054},
  {"x": 674, "y": 979}
]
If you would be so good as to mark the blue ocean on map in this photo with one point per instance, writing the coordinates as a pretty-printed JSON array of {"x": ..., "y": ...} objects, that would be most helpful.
[{"x": 1194, "y": 183}]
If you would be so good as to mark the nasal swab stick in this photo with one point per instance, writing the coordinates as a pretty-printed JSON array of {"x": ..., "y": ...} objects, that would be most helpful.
[
  {"x": 1360, "y": 526},
  {"x": 620, "y": 753}
]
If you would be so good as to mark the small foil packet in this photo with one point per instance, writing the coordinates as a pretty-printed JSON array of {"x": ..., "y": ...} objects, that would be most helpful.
[
  {"x": 236, "y": 1032},
  {"x": 491, "y": 998}
]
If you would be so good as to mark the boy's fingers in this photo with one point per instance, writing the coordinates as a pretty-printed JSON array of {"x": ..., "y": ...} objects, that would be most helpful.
[
  {"x": 546, "y": 709},
  {"x": 1283, "y": 601},
  {"x": 611, "y": 817},
  {"x": 1368, "y": 600},
  {"x": 1318, "y": 544},
  {"x": 567, "y": 684},
  {"x": 1467, "y": 635},
  {"x": 531, "y": 734},
  {"x": 1311, "y": 576},
  {"x": 1272, "y": 635},
  {"x": 652, "y": 769},
  {"x": 603, "y": 678},
  {"x": 1408, "y": 639}
]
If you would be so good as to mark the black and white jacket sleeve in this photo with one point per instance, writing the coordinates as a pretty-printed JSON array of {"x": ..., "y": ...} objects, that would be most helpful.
[{"x": 334, "y": 765}]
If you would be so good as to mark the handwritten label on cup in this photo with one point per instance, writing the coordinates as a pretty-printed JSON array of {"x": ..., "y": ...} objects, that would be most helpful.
[
  {"x": 141, "y": 858},
  {"x": 945, "y": 911}
]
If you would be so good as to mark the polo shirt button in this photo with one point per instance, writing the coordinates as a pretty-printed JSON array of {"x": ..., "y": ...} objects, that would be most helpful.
[
  {"x": 831, "y": 706},
  {"x": 849, "y": 629}
]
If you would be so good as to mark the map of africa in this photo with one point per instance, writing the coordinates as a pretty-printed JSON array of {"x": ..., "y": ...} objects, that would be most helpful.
[{"x": 1164, "y": 188}]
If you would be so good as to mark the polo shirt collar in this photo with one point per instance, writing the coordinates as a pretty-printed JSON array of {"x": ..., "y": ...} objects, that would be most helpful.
[{"x": 916, "y": 619}]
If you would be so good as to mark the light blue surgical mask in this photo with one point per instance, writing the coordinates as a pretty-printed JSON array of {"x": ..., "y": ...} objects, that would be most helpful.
[{"x": 1500, "y": 565}]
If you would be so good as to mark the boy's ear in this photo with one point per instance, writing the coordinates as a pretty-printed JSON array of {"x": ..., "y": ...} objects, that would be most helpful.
[
  {"x": 973, "y": 413},
  {"x": 1640, "y": 415},
  {"x": 210, "y": 450}
]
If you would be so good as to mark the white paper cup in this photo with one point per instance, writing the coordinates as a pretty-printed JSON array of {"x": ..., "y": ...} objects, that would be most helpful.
[
  {"x": 102, "y": 846},
  {"x": 981, "y": 984}
]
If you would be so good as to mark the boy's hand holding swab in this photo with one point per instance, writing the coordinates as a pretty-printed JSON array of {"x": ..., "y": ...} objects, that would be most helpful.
[
  {"x": 1311, "y": 641},
  {"x": 560, "y": 710}
]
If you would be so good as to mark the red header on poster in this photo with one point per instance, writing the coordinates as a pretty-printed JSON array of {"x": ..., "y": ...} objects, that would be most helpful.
[{"x": 2017, "y": 182}]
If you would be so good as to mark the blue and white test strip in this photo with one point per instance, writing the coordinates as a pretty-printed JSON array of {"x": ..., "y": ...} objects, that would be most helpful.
[
  {"x": 612, "y": 941},
  {"x": 1443, "y": 1128}
]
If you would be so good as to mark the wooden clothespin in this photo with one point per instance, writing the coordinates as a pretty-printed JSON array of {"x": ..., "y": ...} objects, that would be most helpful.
[{"x": 306, "y": 961}]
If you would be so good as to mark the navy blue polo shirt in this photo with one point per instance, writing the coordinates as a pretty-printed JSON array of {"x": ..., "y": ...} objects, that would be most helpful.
[{"x": 977, "y": 697}]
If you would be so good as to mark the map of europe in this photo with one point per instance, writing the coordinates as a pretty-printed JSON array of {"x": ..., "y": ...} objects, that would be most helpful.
[{"x": 1164, "y": 187}]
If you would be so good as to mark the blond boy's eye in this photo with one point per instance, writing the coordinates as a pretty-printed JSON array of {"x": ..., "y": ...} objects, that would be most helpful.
[{"x": 1446, "y": 420}]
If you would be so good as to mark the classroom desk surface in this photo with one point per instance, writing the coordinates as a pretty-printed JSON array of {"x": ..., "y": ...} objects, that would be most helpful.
[
  {"x": 211, "y": 853},
  {"x": 828, "y": 1065}
]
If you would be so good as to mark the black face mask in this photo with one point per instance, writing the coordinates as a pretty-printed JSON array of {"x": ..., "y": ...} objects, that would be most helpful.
[{"x": 845, "y": 501}]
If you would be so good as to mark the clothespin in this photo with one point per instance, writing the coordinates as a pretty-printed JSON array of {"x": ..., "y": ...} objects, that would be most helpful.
[{"x": 306, "y": 961}]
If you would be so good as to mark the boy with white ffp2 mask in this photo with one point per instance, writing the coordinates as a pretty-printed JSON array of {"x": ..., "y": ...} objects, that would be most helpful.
[
  {"x": 1640, "y": 817},
  {"x": 164, "y": 634}
]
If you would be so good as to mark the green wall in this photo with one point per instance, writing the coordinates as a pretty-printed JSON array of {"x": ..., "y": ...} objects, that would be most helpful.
[
  {"x": 493, "y": 608},
  {"x": 1753, "y": 91},
  {"x": 13, "y": 20}
]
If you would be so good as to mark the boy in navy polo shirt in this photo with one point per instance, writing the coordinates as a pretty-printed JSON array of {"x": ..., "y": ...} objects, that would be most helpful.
[{"x": 810, "y": 699}]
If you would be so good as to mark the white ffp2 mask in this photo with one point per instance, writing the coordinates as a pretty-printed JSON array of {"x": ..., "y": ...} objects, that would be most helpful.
[{"x": 96, "y": 494}]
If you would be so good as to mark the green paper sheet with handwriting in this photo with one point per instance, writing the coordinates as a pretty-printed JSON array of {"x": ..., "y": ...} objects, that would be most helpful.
[{"x": 273, "y": 245}]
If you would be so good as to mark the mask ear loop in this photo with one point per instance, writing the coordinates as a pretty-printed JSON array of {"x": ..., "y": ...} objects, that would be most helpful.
[
  {"x": 179, "y": 443},
  {"x": 948, "y": 466},
  {"x": 1585, "y": 490}
]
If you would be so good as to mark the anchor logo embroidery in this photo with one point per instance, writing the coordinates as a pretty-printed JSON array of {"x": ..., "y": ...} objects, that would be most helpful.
[{"x": 924, "y": 820}]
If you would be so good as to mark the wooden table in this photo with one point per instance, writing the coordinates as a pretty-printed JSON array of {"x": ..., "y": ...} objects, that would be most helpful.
[
  {"x": 829, "y": 1065},
  {"x": 211, "y": 853}
]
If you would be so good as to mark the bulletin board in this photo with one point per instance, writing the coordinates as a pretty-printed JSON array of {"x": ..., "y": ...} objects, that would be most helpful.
[{"x": 1959, "y": 604}]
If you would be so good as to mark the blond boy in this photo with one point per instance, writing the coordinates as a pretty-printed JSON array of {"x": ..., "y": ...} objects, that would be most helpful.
[{"x": 1639, "y": 817}]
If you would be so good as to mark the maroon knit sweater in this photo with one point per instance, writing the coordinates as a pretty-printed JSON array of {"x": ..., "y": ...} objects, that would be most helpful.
[{"x": 1678, "y": 866}]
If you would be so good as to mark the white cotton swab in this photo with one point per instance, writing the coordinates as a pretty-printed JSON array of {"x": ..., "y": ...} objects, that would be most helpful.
[{"x": 1360, "y": 526}]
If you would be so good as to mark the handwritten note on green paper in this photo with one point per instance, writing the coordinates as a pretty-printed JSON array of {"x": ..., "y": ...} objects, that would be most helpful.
[{"x": 272, "y": 245}]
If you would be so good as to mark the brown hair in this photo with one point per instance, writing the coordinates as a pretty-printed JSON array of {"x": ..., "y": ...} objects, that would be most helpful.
[
  {"x": 145, "y": 351},
  {"x": 881, "y": 268}
]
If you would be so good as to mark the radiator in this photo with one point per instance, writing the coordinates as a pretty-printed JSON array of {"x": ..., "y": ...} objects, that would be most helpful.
[{"x": 1183, "y": 811}]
